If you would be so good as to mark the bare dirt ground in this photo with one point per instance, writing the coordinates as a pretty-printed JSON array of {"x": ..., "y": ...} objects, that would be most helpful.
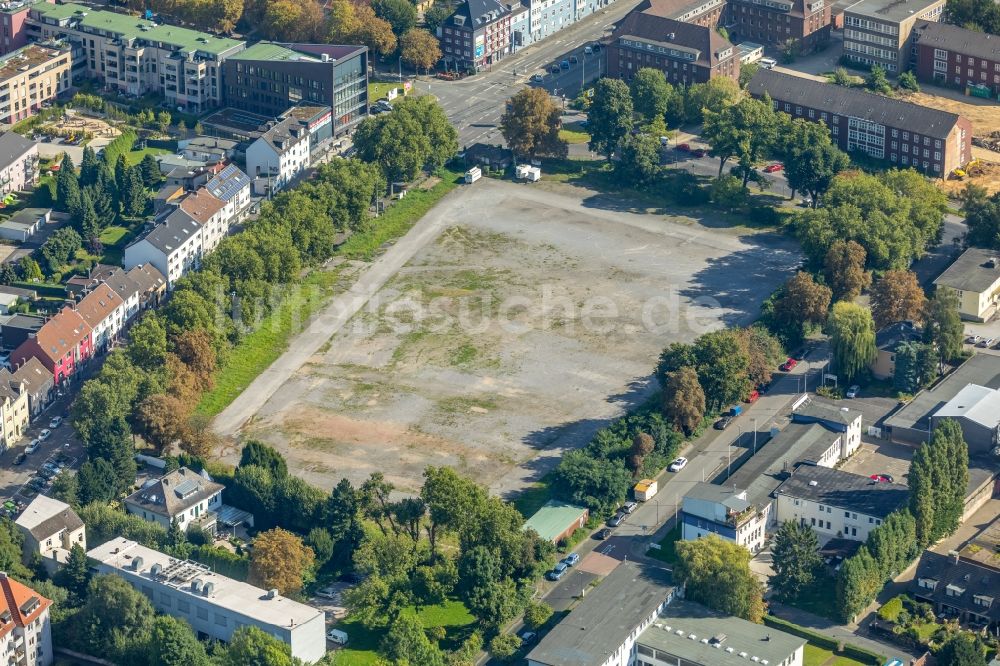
[
  {"x": 981, "y": 113},
  {"x": 534, "y": 318}
]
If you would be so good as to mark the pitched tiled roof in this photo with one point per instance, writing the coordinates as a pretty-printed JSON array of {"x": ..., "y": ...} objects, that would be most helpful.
[
  {"x": 98, "y": 305},
  {"x": 35, "y": 376},
  {"x": 61, "y": 334},
  {"x": 19, "y": 605},
  {"x": 284, "y": 133},
  {"x": 853, "y": 103},
  {"x": 9, "y": 386},
  {"x": 174, "y": 493},
  {"x": 46, "y": 516},
  {"x": 668, "y": 32},
  {"x": 201, "y": 205}
]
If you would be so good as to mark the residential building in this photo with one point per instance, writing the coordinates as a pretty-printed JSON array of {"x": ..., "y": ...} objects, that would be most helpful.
[
  {"x": 880, "y": 32},
  {"x": 104, "y": 311},
  {"x": 545, "y": 18},
  {"x": 724, "y": 511},
  {"x": 958, "y": 588},
  {"x": 268, "y": 79},
  {"x": 975, "y": 279},
  {"x": 13, "y": 24},
  {"x": 25, "y": 627},
  {"x": 212, "y": 604},
  {"x": 887, "y": 341},
  {"x": 690, "y": 634},
  {"x": 7, "y": 302},
  {"x": 232, "y": 187},
  {"x": 318, "y": 121},
  {"x": 38, "y": 384},
  {"x": 956, "y": 57},
  {"x": 173, "y": 247},
  {"x": 14, "y": 409},
  {"x": 836, "y": 503},
  {"x": 977, "y": 409},
  {"x": 182, "y": 496},
  {"x": 280, "y": 154},
  {"x": 24, "y": 224},
  {"x": 139, "y": 288},
  {"x": 602, "y": 629},
  {"x": 61, "y": 344},
  {"x": 208, "y": 149},
  {"x": 209, "y": 212},
  {"x": 520, "y": 22},
  {"x": 557, "y": 520},
  {"x": 50, "y": 528},
  {"x": 31, "y": 76},
  {"x": 901, "y": 133},
  {"x": 136, "y": 56},
  {"x": 843, "y": 423},
  {"x": 19, "y": 328},
  {"x": 913, "y": 424},
  {"x": 775, "y": 22},
  {"x": 687, "y": 53},
  {"x": 18, "y": 163},
  {"x": 478, "y": 34}
]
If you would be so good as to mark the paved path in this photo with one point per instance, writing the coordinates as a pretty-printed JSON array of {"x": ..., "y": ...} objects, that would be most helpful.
[{"x": 330, "y": 320}]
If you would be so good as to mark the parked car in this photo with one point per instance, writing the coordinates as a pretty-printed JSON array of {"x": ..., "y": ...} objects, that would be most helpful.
[
  {"x": 20, "y": 458},
  {"x": 853, "y": 391},
  {"x": 588, "y": 50},
  {"x": 724, "y": 422},
  {"x": 573, "y": 60},
  {"x": 604, "y": 533},
  {"x": 789, "y": 364},
  {"x": 564, "y": 64},
  {"x": 527, "y": 637},
  {"x": 44, "y": 434},
  {"x": 55, "y": 422},
  {"x": 629, "y": 507},
  {"x": 617, "y": 520},
  {"x": 987, "y": 343},
  {"x": 881, "y": 478},
  {"x": 33, "y": 446},
  {"x": 765, "y": 387},
  {"x": 753, "y": 397},
  {"x": 538, "y": 78},
  {"x": 684, "y": 147},
  {"x": 699, "y": 152},
  {"x": 571, "y": 559},
  {"x": 554, "y": 69},
  {"x": 557, "y": 571},
  {"x": 772, "y": 168},
  {"x": 337, "y": 636},
  {"x": 678, "y": 464},
  {"x": 972, "y": 339}
]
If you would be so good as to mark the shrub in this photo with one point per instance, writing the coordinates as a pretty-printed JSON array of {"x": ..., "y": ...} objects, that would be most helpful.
[
  {"x": 537, "y": 614},
  {"x": 504, "y": 647},
  {"x": 891, "y": 609}
]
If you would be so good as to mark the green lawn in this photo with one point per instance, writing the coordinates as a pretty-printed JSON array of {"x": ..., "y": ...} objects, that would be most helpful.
[
  {"x": 816, "y": 598},
  {"x": 113, "y": 235},
  {"x": 363, "y": 642},
  {"x": 377, "y": 90},
  {"x": 531, "y": 499},
  {"x": 666, "y": 553},
  {"x": 573, "y": 133},
  {"x": 135, "y": 156}
]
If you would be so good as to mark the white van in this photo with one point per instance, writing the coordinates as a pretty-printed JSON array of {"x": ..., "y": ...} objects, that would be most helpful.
[
  {"x": 768, "y": 63},
  {"x": 337, "y": 636}
]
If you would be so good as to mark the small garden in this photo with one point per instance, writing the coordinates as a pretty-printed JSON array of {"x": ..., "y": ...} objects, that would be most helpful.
[{"x": 913, "y": 623}]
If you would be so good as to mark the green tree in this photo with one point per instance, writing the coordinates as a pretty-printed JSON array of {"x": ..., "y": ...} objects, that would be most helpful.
[
  {"x": 134, "y": 196},
  {"x": 147, "y": 344},
  {"x": 723, "y": 363},
  {"x": 747, "y": 72},
  {"x": 877, "y": 81},
  {"x": 915, "y": 366},
  {"x": 149, "y": 168},
  {"x": 728, "y": 192},
  {"x": 938, "y": 479},
  {"x": 599, "y": 485},
  {"x": 907, "y": 81},
  {"x": 96, "y": 481},
  {"x": 717, "y": 573},
  {"x": 962, "y": 649},
  {"x": 715, "y": 95},
  {"x": 745, "y": 131},
  {"x": 173, "y": 643},
  {"x": 89, "y": 167},
  {"x": 811, "y": 160},
  {"x": 537, "y": 614},
  {"x": 683, "y": 399},
  {"x": 257, "y": 453},
  {"x": 857, "y": 584},
  {"x": 531, "y": 124},
  {"x": 943, "y": 326},
  {"x": 796, "y": 559},
  {"x": 67, "y": 190},
  {"x": 250, "y": 645},
  {"x": 419, "y": 49},
  {"x": 115, "y": 619},
  {"x": 650, "y": 93},
  {"x": 415, "y": 135},
  {"x": 800, "y": 302},
  {"x": 400, "y": 14},
  {"x": 87, "y": 220},
  {"x": 638, "y": 160},
  {"x": 852, "y": 338},
  {"x": 844, "y": 270},
  {"x": 30, "y": 270},
  {"x": 610, "y": 116},
  {"x": 65, "y": 489},
  {"x": 504, "y": 647},
  {"x": 406, "y": 643}
]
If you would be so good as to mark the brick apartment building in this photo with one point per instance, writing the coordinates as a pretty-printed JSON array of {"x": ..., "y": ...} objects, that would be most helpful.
[
  {"x": 877, "y": 32},
  {"x": 477, "y": 35},
  {"x": 902, "y": 133},
  {"x": 775, "y": 22},
  {"x": 955, "y": 57},
  {"x": 686, "y": 52}
]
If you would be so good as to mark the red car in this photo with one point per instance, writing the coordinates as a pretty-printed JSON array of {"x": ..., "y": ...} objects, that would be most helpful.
[
  {"x": 684, "y": 147},
  {"x": 771, "y": 168},
  {"x": 753, "y": 397},
  {"x": 699, "y": 152},
  {"x": 788, "y": 365},
  {"x": 881, "y": 478}
]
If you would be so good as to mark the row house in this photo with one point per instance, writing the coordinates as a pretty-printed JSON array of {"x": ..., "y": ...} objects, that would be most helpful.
[
  {"x": 686, "y": 53},
  {"x": 881, "y": 32},
  {"x": 232, "y": 187},
  {"x": 61, "y": 344},
  {"x": 209, "y": 212},
  {"x": 279, "y": 154},
  {"x": 140, "y": 287},
  {"x": 173, "y": 246},
  {"x": 952, "y": 56},
  {"x": 104, "y": 311},
  {"x": 901, "y": 133},
  {"x": 32, "y": 76},
  {"x": 14, "y": 409},
  {"x": 477, "y": 35},
  {"x": 37, "y": 383},
  {"x": 18, "y": 163},
  {"x": 25, "y": 626}
]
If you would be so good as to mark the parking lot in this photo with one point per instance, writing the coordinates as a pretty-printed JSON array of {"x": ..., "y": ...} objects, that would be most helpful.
[{"x": 884, "y": 458}]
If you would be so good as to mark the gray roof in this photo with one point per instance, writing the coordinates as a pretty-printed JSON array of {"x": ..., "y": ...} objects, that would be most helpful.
[
  {"x": 211, "y": 143},
  {"x": 979, "y": 404},
  {"x": 171, "y": 233},
  {"x": 724, "y": 495},
  {"x": 843, "y": 490},
  {"x": 174, "y": 493},
  {"x": 891, "y": 336},
  {"x": 981, "y": 369},
  {"x": 834, "y": 414},
  {"x": 36, "y": 377},
  {"x": 953, "y": 38},
  {"x": 966, "y": 581},
  {"x": 972, "y": 271},
  {"x": 13, "y": 146},
  {"x": 45, "y": 516},
  {"x": 701, "y": 637},
  {"x": 890, "y": 10},
  {"x": 481, "y": 12},
  {"x": 284, "y": 134},
  {"x": 852, "y": 102},
  {"x": 605, "y": 617}
]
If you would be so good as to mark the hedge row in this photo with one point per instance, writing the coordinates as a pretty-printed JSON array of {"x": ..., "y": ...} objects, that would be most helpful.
[{"x": 819, "y": 640}]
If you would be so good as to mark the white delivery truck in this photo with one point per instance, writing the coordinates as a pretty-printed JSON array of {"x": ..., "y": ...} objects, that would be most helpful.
[{"x": 473, "y": 174}]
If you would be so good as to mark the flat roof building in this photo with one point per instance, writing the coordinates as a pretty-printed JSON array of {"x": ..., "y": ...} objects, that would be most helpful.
[
  {"x": 213, "y": 605},
  {"x": 975, "y": 279},
  {"x": 31, "y": 76},
  {"x": 725, "y": 511},
  {"x": 880, "y": 32}
]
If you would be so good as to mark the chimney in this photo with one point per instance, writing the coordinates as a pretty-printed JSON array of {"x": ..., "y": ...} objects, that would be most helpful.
[
  {"x": 954, "y": 555},
  {"x": 3, "y": 575}
]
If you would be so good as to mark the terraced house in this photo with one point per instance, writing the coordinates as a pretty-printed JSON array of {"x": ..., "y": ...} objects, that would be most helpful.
[{"x": 135, "y": 56}]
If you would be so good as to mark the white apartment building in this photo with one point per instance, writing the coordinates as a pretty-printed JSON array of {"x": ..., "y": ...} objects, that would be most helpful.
[
  {"x": 50, "y": 528},
  {"x": 215, "y": 606},
  {"x": 15, "y": 410},
  {"x": 25, "y": 627},
  {"x": 18, "y": 163},
  {"x": 726, "y": 512},
  {"x": 182, "y": 496},
  {"x": 173, "y": 247},
  {"x": 210, "y": 213},
  {"x": 279, "y": 154},
  {"x": 836, "y": 503},
  {"x": 136, "y": 56},
  {"x": 104, "y": 311},
  {"x": 232, "y": 187}
]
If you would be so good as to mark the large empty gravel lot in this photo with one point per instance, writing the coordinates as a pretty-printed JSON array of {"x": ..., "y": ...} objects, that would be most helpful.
[{"x": 534, "y": 317}]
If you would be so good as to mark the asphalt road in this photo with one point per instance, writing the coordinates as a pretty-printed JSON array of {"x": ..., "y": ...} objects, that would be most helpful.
[{"x": 474, "y": 104}]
